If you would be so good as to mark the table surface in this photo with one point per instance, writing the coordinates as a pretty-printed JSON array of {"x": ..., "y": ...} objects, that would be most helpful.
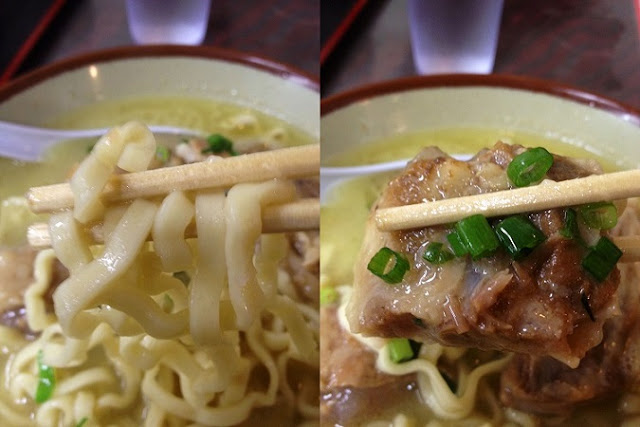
[
  {"x": 591, "y": 44},
  {"x": 282, "y": 30}
]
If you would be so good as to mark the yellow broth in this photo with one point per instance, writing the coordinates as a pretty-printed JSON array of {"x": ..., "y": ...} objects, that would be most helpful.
[
  {"x": 238, "y": 123},
  {"x": 454, "y": 141}
]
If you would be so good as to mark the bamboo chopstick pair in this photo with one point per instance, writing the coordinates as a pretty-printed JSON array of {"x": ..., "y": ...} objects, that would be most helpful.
[
  {"x": 546, "y": 195},
  {"x": 286, "y": 163},
  {"x": 298, "y": 162}
]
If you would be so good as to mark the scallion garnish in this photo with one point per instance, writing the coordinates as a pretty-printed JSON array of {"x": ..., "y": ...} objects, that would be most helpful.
[
  {"x": 529, "y": 167},
  {"x": 82, "y": 422},
  {"x": 167, "y": 303},
  {"x": 436, "y": 253},
  {"x": 602, "y": 259},
  {"x": 163, "y": 154},
  {"x": 402, "y": 349},
  {"x": 457, "y": 246},
  {"x": 518, "y": 236},
  {"x": 380, "y": 265},
  {"x": 328, "y": 295},
  {"x": 477, "y": 236},
  {"x": 46, "y": 380},
  {"x": 570, "y": 229},
  {"x": 584, "y": 299},
  {"x": 217, "y": 143},
  {"x": 600, "y": 215}
]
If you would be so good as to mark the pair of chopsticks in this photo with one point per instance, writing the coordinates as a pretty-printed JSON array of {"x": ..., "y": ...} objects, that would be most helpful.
[
  {"x": 546, "y": 195},
  {"x": 286, "y": 163},
  {"x": 299, "y": 162}
]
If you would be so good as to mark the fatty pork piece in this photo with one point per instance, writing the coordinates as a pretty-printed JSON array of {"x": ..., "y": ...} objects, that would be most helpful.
[
  {"x": 351, "y": 386},
  {"x": 542, "y": 385},
  {"x": 535, "y": 306}
]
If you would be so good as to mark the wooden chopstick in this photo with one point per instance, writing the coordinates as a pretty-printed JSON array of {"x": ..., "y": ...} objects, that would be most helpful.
[
  {"x": 630, "y": 247},
  {"x": 301, "y": 215},
  {"x": 546, "y": 195},
  {"x": 286, "y": 163}
]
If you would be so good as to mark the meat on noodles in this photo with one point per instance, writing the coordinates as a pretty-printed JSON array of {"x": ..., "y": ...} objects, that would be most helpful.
[
  {"x": 488, "y": 340},
  {"x": 529, "y": 306}
]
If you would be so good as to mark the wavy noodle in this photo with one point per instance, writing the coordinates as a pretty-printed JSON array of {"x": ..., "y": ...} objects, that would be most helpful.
[
  {"x": 171, "y": 221},
  {"x": 130, "y": 343},
  {"x": 244, "y": 225},
  {"x": 130, "y": 147},
  {"x": 97, "y": 278},
  {"x": 211, "y": 274},
  {"x": 432, "y": 387},
  {"x": 37, "y": 316}
]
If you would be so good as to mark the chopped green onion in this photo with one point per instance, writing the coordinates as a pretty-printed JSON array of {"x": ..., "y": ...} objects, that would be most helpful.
[
  {"x": 570, "y": 229},
  {"x": 183, "y": 276},
  {"x": 46, "y": 380},
  {"x": 82, "y": 422},
  {"x": 219, "y": 144},
  {"x": 518, "y": 236},
  {"x": 457, "y": 246},
  {"x": 584, "y": 299},
  {"x": 402, "y": 349},
  {"x": 328, "y": 295},
  {"x": 529, "y": 167},
  {"x": 379, "y": 265},
  {"x": 600, "y": 215},
  {"x": 163, "y": 154},
  {"x": 602, "y": 259},
  {"x": 477, "y": 236},
  {"x": 167, "y": 303},
  {"x": 435, "y": 253}
]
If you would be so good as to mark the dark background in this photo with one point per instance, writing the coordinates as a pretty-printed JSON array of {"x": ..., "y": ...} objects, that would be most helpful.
[{"x": 591, "y": 44}]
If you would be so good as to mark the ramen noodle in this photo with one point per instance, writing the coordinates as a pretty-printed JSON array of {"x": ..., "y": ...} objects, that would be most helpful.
[{"x": 205, "y": 331}]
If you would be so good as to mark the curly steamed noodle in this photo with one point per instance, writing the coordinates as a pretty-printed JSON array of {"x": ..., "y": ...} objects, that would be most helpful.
[
  {"x": 131, "y": 343},
  {"x": 434, "y": 391}
]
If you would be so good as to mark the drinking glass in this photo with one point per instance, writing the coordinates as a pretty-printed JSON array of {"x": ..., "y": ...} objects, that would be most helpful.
[
  {"x": 458, "y": 36},
  {"x": 168, "y": 21}
]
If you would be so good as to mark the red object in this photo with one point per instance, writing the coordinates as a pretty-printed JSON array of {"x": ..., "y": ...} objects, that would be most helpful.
[
  {"x": 637, "y": 7},
  {"x": 31, "y": 41},
  {"x": 342, "y": 29}
]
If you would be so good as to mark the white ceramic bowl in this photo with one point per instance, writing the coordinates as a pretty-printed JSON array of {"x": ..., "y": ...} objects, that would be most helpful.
[
  {"x": 364, "y": 115},
  {"x": 200, "y": 72}
]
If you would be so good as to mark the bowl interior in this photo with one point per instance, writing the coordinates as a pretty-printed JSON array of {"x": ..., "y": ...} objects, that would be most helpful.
[
  {"x": 372, "y": 117},
  {"x": 113, "y": 78}
]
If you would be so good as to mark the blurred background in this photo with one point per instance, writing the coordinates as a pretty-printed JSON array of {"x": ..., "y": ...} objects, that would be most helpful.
[
  {"x": 591, "y": 44},
  {"x": 36, "y": 32}
]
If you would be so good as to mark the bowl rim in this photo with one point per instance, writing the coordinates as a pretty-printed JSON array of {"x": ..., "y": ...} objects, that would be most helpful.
[
  {"x": 251, "y": 60},
  {"x": 531, "y": 84}
]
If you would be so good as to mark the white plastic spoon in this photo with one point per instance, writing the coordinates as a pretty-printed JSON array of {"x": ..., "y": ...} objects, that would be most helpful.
[{"x": 28, "y": 143}]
